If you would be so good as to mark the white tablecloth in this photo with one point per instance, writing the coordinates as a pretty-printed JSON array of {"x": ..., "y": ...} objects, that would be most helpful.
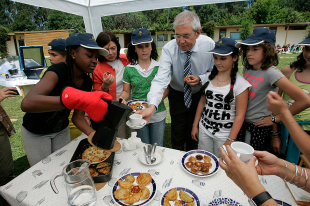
[
  {"x": 33, "y": 188},
  {"x": 25, "y": 84}
]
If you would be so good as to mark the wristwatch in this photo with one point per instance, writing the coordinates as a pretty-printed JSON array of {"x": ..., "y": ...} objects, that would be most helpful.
[
  {"x": 259, "y": 199},
  {"x": 200, "y": 82},
  {"x": 273, "y": 119}
]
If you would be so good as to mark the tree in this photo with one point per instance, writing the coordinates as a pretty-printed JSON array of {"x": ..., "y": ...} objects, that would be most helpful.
[
  {"x": 247, "y": 28},
  {"x": 61, "y": 20},
  {"x": 209, "y": 28},
  {"x": 3, "y": 38}
]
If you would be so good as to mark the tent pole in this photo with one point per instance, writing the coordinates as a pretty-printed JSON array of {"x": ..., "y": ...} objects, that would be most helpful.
[{"x": 90, "y": 18}]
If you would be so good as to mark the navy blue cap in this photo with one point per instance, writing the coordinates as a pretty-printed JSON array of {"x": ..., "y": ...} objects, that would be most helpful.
[
  {"x": 141, "y": 36},
  {"x": 224, "y": 47},
  {"x": 305, "y": 42},
  {"x": 258, "y": 36},
  {"x": 58, "y": 45},
  {"x": 85, "y": 40}
]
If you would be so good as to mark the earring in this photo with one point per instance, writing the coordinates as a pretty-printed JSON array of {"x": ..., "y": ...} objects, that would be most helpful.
[{"x": 73, "y": 57}]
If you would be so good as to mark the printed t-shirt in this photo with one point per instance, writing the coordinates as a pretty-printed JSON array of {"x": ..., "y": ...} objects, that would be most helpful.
[
  {"x": 140, "y": 82},
  {"x": 262, "y": 82},
  {"x": 218, "y": 117},
  {"x": 51, "y": 122}
]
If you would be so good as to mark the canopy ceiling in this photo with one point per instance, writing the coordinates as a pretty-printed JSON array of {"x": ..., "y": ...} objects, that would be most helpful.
[{"x": 93, "y": 10}]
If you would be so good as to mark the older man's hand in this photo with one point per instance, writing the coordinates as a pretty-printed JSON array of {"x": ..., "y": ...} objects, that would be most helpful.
[
  {"x": 194, "y": 80},
  {"x": 148, "y": 112}
]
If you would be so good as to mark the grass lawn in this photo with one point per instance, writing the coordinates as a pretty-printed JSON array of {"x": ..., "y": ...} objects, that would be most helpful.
[{"x": 12, "y": 106}]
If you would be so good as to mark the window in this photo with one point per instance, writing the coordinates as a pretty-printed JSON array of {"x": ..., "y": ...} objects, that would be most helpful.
[
  {"x": 296, "y": 28},
  {"x": 235, "y": 35},
  {"x": 161, "y": 36},
  {"x": 172, "y": 36},
  {"x": 222, "y": 34}
]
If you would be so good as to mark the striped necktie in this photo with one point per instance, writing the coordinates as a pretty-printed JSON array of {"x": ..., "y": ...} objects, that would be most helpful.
[{"x": 187, "y": 88}]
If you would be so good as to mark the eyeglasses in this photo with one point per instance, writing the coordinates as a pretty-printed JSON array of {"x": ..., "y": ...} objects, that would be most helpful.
[{"x": 185, "y": 36}]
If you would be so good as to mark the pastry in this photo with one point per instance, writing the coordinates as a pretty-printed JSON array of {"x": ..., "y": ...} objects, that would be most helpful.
[
  {"x": 194, "y": 169},
  {"x": 198, "y": 164},
  {"x": 144, "y": 179},
  {"x": 166, "y": 202},
  {"x": 130, "y": 178},
  {"x": 206, "y": 158},
  {"x": 105, "y": 170},
  {"x": 95, "y": 155},
  {"x": 124, "y": 184},
  {"x": 189, "y": 164},
  {"x": 190, "y": 204},
  {"x": 132, "y": 199},
  {"x": 172, "y": 195},
  {"x": 192, "y": 159},
  {"x": 121, "y": 193},
  {"x": 187, "y": 79},
  {"x": 185, "y": 197},
  {"x": 103, "y": 164},
  {"x": 178, "y": 203},
  {"x": 134, "y": 189},
  {"x": 145, "y": 193}
]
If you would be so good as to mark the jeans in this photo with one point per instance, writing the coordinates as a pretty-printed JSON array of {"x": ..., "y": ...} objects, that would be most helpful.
[
  {"x": 153, "y": 132},
  {"x": 210, "y": 144}
]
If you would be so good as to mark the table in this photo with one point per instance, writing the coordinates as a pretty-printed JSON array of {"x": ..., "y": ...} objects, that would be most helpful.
[
  {"x": 33, "y": 188},
  {"x": 23, "y": 85}
]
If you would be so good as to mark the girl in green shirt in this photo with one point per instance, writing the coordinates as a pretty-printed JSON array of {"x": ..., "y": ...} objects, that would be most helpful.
[{"x": 137, "y": 79}]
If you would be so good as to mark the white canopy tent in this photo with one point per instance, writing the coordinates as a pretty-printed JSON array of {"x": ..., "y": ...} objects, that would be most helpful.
[{"x": 93, "y": 10}]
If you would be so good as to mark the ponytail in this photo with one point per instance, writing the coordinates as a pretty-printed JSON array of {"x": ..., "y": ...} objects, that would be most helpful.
[
  {"x": 233, "y": 75},
  {"x": 213, "y": 74}
]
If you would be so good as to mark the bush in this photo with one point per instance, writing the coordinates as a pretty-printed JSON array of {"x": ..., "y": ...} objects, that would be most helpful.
[
  {"x": 3, "y": 38},
  {"x": 209, "y": 28}
]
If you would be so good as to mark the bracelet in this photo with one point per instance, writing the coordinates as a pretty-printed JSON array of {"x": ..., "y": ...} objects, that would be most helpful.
[
  {"x": 295, "y": 183},
  {"x": 296, "y": 173},
  {"x": 285, "y": 170},
  {"x": 274, "y": 131},
  {"x": 230, "y": 139},
  {"x": 306, "y": 178}
]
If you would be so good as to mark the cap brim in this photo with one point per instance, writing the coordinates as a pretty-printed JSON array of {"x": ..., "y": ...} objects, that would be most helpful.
[
  {"x": 219, "y": 53},
  {"x": 142, "y": 42},
  {"x": 305, "y": 42},
  {"x": 101, "y": 50},
  {"x": 249, "y": 42}
]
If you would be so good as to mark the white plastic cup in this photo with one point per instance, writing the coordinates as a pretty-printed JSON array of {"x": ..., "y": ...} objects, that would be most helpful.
[
  {"x": 136, "y": 119},
  {"x": 243, "y": 150}
]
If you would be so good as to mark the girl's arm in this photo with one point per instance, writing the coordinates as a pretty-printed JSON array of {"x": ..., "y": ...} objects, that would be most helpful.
[
  {"x": 125, "y": 93},
  {"x": 37, "y": 100},
  {"x": 241, "y": 106},
  {"x": 287, "y": 71},
  {"x": 302, "y": 100},
  {"x": 200, "y": 107},
  {"x": 80, "y": 122}
]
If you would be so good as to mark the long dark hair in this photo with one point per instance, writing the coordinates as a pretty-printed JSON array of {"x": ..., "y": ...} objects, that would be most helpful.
[
  {"x": 132, "y": 56},
  {"x": 270, "y": 56},
  {"x": 233, "y": 75},
  {"x": 69, "y": 62},
  {"x": 103, "y": 39},
  {"x": 300, "y": 63}
]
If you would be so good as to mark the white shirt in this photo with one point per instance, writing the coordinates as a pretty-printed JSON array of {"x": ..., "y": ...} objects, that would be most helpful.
[
  {"x": 119, "y": 71},
  {"x": 171, "y": 67}
]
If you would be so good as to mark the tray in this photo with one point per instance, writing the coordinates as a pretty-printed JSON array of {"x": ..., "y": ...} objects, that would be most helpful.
[{"x": 84, "y": 144}]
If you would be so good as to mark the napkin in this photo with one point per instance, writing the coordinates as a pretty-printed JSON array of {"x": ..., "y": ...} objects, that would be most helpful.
[
  {"x": 299, "y": 194},
  {"x": 132, "y": 142}
]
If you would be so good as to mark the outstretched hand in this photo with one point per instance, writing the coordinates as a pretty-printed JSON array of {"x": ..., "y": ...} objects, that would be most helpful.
[
  {"x": 147, "y": 113},
  {"x": 275, "y": 103},
  {"x": 268, "y": 164},
  {"x": 7, "y": 92}
]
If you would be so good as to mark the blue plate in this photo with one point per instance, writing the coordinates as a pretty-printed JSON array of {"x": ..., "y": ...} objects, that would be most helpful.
[
  {"x": 224, "y": 201},
  {"x": 137, "y": 101},
  {"x": 152, "y": 187},
  {"x": 282, "y": 203},
  {"x": 214, "y": 161},
  {"x": 191, "y": 193}
]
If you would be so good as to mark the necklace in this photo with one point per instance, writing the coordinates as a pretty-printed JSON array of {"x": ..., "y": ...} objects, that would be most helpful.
[{"x": 221, "y": 82}]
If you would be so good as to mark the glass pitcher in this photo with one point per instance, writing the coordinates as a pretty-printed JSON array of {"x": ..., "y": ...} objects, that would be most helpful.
[{"x": 79, "y": 183}]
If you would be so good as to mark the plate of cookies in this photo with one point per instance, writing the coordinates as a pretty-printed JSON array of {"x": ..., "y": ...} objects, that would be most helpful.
[
  {"x": 179, "y": 196},
  {"x": 200, "y": 163},
  {"x": 134, "y": 189},
  {"x": 137, "y": 104}
]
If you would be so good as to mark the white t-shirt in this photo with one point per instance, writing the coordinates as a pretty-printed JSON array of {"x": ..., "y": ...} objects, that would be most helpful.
[
  {"x": 119, "y": 71},
  {"x": 218, "y": 117}
]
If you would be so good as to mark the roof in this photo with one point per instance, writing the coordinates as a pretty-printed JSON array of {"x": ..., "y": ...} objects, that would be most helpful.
[
  {"x": 45, "y": 31},
  {"x": 267, "y": 25}
]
